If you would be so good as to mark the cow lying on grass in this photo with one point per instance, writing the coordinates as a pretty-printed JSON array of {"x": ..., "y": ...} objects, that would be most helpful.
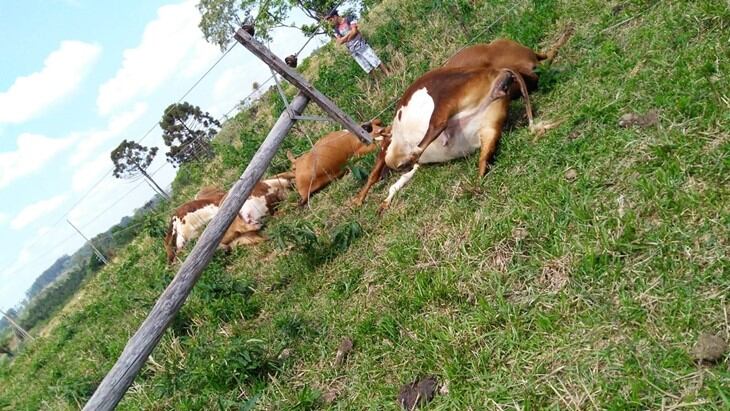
[
  {"x": 327, "y": 159},
  {"x": 189, "y": 220},
  {"x": 463, "y": 105}
]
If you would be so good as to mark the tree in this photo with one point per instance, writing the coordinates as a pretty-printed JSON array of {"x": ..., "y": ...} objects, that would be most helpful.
[
  {"x": 187, "y": 130},
  {"x": 132, "y": 160},
  {"x": 221, "y": 18},
  {"x": 5, "y": 349}
]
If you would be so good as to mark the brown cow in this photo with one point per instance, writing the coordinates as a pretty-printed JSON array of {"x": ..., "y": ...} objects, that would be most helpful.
[
  {"x": 326, "y": 161},
  {"x": 190, "y": 219},
  {"x": 463, "y": 105}
]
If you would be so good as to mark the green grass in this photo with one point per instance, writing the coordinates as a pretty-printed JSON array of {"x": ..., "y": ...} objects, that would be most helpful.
[{"x": 522, "y": 290}]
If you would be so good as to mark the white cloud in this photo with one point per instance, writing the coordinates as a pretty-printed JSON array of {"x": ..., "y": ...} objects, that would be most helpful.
[
  {"x": 89, "y": 142},
  {"x": 171, "y": 44},
  {"x": 62, "y": 73},
  {"x": 36, "y": 211},
  {"x": 33, "y": 152},
  {"x": 3, "y": 218},
  {"x": 43, "y": 232},
  {"x": 88, "y": 173}
]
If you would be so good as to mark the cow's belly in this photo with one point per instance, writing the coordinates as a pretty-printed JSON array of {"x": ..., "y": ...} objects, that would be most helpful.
[
  {"x": 460, "y": 139},
  {"x": 459, "y": 143}
]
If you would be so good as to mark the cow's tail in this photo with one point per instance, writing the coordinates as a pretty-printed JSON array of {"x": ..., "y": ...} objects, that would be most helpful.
[
  {"x": 170, "y": 243},
  {"x": 523, "y": 89},
  {"x": 550, "y": 54}
]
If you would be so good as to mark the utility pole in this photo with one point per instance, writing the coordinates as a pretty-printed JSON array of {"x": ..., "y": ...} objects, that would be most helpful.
[
  {"x": 139, "y": 347},
  {"x": 98, "y": 253},
  {"x": 276, "y": 64},
  {"x": 149, "y": 178},
  {"x": 15, "y": 325}
]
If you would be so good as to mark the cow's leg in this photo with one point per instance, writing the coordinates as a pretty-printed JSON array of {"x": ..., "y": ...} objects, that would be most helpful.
[
  {"x": 375, "y": 176},
  {"x": 549, "y": 55},
  {"x": 392, "y": 190},
  {"x": 250, "y": 238},
  {"x": 379, "y": 170},
  {"x": 491, "y": 132},
  {"x": 288, "y": 175},
  {"x": 439, "y": 121},
  {"x": 365, "y": 149},
  {"x": 316, "y": 184}
]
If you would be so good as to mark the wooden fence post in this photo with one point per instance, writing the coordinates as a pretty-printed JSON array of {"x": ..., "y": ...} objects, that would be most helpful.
[
  {"x": 140, "y": 346},
  {"x": 260, "y": 51}
]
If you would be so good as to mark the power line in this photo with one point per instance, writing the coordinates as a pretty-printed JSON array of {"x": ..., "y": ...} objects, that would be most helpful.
[
  {"x": 142, "y": 138},
  {"x": 207, "y": 72}
]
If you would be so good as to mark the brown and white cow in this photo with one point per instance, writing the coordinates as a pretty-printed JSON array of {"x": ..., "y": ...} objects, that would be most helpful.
[
  {"x": 327, "y": 159},
  {"x": 189, "y": 220},
  {"x": 462, "y": 105}
]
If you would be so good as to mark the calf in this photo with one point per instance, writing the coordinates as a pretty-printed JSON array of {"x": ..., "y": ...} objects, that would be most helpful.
[
  {"x": 326, "y": 161},
  {"x": 463, "y": 105},
  {"x": 189, "y": 220},
  {"x": 265, "y": 197}
]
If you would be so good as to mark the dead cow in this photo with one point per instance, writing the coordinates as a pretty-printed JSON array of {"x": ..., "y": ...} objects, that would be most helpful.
[
  {"x": 190, "y": 219},
  {"x": 462, "y": 105},
  {"x": 327, "y": 159},
  {"x": 265, "y": 197}
]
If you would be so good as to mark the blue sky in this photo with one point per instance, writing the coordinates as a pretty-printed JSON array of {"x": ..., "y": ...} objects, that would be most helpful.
[{"x": 77, "y": 78}]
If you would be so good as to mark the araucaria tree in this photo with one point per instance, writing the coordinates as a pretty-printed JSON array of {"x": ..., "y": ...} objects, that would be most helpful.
[
  {"x": 187, "y": 130},
  {"x": 132, "y": 159},
  {"x": 221, "y": 18}
]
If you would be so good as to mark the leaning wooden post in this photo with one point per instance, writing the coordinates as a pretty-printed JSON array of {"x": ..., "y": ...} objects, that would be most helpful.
[
  {"x": 140, "y": 346},
  {"x": 260, "y": 51}
]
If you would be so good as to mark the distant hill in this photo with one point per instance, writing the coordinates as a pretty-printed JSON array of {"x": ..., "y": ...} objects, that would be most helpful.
[
  {"x": 55, "y": 286},
  {"x": 48, "y": 276}
]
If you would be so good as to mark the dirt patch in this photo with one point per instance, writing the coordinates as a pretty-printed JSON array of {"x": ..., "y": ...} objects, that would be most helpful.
[
  {"x": 500, "y": 256},
  {"x": 648, "y": 119},
  {"x": 417, "y": 393},
  {"x": 571, "y": 175},
  {"x": 555, "y": 275},
  {"x": 709, "y": 349},
  {"x": 343, "y": 351}
]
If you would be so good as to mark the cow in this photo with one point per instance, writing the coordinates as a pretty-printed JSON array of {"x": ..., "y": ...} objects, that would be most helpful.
[
  {"x": 463, "y": 105},
  {"x": 189, "y": 220},
  {"x": 327, "y": 159}
]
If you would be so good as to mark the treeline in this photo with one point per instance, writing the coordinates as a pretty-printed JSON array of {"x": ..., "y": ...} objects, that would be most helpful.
[{"x": 55, "y": 287}]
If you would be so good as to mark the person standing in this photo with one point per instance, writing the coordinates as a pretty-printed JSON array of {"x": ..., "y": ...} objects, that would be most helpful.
[{"x": 347, "y": 33}]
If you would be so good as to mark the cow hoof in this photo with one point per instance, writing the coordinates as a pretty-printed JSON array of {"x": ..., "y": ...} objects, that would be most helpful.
[
  {"x": 483, "y": 168},
  {"x": 355, "y": 202},
  {"x": 383, "y": 207},
  {"x": 539, "y": 129}
]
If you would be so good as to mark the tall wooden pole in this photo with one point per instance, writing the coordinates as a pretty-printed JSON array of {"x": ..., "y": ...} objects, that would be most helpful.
[
  {"x": 263, "y": 53},
  {"x": 15, "y": 325},
  {"x": 140, "y": 346},
  {"x": 149, "y": 178},
  {"x": 98, "y": 253}
]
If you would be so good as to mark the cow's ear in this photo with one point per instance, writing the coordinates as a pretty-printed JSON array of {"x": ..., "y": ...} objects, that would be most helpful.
[
  {"x": 367, "y": 126},
  {"x": 376, "y": 122}
]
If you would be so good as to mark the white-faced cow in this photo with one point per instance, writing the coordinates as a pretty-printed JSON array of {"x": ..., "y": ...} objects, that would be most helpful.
[
  {"x": 461, "y": 106},
  {"x": 189, "y": 220}
]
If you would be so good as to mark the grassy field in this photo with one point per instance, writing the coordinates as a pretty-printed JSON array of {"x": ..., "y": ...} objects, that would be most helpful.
[{"x": 577, "y": 274}]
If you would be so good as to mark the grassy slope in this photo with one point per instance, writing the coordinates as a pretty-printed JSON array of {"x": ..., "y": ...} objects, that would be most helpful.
[{"x": 464, "y": 279}]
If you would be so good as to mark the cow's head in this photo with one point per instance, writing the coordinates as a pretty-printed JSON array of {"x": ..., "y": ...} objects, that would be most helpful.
[{"x": 376, "y": 129}]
